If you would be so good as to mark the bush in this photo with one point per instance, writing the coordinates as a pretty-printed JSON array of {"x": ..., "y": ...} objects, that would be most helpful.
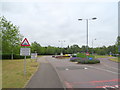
[
  {"x": 83, "y": 55},
  {"x": 94, "y": 61},
  {"x": 74, "y": 55},
  {"x": 15, "y": 56},
  {"x": 74, "y": 59}
]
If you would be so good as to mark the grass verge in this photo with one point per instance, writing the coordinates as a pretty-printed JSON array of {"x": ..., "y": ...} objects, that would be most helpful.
[
  {"x": 13, "y": 72},
  {"x": 101, "y": 56},
  {"x": 115, "y": 59}
]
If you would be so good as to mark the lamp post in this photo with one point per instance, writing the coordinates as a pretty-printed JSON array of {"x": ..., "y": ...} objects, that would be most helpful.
[
  {"x": 61, "y": 45},
  {"x": 92, "y": 46},
  {"x": 87, "y": 29}
]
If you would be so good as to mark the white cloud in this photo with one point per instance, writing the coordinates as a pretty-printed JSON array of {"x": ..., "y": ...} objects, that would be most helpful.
[{"x": 47, "y": 22}]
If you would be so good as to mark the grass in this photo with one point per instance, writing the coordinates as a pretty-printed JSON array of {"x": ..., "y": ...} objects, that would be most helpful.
[
  {"x": 13, "y": 72},
  {"x": 101, "y": 56},
  {"x": 115, "y": 59}
]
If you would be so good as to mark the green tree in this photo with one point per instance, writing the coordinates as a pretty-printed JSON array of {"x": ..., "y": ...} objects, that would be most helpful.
[
  {"x": 11, "y": 37},
  {"x": 35, "y": 47}
]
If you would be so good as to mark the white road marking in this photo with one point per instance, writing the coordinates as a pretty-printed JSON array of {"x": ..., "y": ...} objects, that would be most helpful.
[
  {"x": 85, "y": 68},
  {"x": 66, "y": 69},
  {"x": 102, "y": 69},
  {"x": 110, "y": 66}
]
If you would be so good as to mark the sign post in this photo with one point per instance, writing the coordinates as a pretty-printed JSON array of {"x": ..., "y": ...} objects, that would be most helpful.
[
  {"x": 34, "y": 56},
  {"x": 25, "y": 52}
]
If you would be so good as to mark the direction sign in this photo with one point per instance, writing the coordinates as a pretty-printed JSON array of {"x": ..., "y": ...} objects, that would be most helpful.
[
  {"x": 25, "y": 42},
  {"x": 87, "y": 54},
  {"x": 25, "y": 51},
  {"x": 33, "y": 55},
  {"x": 90, "y": 58}
]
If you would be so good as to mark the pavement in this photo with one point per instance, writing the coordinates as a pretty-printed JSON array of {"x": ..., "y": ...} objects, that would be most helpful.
[
  {"x": 45, "y": 77},
  {"x": 61, "y": 73}
]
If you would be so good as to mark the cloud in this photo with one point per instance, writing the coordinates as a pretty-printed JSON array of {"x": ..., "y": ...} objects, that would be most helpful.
[{"x": 49, "y": 22}]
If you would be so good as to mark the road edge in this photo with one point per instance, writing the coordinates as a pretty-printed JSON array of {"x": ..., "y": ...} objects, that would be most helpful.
[
  {"x": 31, "y": 76},
  {"x": 62, "y": 82}
]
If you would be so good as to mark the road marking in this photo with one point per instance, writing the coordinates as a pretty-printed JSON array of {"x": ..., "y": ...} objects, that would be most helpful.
[
  {"x": 102, "y": 69},
  {"x": 66, "y": 69},
  {"x": 68, "y": 85},
  {"x": 85, "y": 68},
  {"x": 110, "y": 66}
]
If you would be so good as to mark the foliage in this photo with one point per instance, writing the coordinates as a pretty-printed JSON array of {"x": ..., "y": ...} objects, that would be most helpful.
[
  {"x": 83, "y": 55},
  {"x": 16, "y": 56},
  {"x": 74, "y": 59},
  {"x": 94, "y": 61},
  {"x": 11, "y": 37}
]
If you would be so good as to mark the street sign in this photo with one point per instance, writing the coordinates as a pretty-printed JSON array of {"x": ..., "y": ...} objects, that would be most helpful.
[
  {"x": 33, "y": 55},
  {"x": 25, "y": 51},
  {"x": 25, "y": 42},
  {"x": 90, "y": 58},
  {"x": 87, "y": 54}
]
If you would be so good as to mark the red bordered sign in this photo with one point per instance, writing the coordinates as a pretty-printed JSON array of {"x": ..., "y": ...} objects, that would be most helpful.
[
  {"x": 87, "y": 54},
  {"x": 25, "y": 42}
]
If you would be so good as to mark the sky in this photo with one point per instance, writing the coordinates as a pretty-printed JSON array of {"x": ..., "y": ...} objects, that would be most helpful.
[{"x": 50, "y": 22}]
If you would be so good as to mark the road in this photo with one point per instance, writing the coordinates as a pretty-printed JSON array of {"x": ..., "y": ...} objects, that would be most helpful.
[
  {"x": 45, "y": 77},
  {"x": 66, "y": 74}
]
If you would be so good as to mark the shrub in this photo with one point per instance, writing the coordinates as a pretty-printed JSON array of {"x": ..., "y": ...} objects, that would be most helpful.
[
  {"x": 15, "y": 56},
  {"x": 83, "y": 55},
  {"x": 88, "y": 61},
  {"x": 74, "y": 59}
]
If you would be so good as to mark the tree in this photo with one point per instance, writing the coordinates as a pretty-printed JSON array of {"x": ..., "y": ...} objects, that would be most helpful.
[
  {"x": 118, "y": 45},
  {"x": 35, "y": 47},
  {"x": 11, "y": 37}
]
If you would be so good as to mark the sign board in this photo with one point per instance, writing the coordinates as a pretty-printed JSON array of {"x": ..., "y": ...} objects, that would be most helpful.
[
  {"x": 87, "y": 54},
  {"x": 90, "y": 58},
  {"x": 25, "y": 42},
  {"x": 25, "y": 51},
  {"x": 33, "y": 55}
]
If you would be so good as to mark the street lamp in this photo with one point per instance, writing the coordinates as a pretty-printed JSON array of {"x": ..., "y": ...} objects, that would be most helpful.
[
  {"x": 92, "y": 45},
  {"x": 61, "y": 45},
  {"x": 87, "y": 28}
]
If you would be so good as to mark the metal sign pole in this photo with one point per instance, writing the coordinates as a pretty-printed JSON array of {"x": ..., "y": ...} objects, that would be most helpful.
[
  {"x": 25, "y": 65},
  {"x": 25, "y": 52}
]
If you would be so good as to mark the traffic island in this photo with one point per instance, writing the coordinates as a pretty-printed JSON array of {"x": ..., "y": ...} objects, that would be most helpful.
[
  {"x": 61, "y": 56},
  {"x": 83, "y": 59},
  {"x": 87, "y": 61}
]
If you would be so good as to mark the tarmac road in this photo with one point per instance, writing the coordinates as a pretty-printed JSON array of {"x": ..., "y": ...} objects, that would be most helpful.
[
  {"x": 45, "y": 77},
  {"x": 66, "y": 74},
  {"x": 86, "y": 75}
]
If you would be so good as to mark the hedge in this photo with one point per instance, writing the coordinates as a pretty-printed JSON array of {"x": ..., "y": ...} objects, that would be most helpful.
[
  {"x": 83, "y": 55},
  {"x": 15, "y": 56},
  {"x": 74, "y": 59},
  {"x": 94, "y": 61}
]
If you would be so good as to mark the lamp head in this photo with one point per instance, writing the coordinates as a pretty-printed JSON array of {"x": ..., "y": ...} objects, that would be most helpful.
[{"x": 94, "y": 18}]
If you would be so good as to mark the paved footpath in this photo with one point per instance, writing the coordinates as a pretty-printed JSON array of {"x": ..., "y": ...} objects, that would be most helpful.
[{"x": 45, "y": 77}]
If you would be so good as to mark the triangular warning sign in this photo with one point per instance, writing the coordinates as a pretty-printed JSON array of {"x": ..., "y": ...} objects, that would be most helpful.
[{"x": 25, "y": 42}]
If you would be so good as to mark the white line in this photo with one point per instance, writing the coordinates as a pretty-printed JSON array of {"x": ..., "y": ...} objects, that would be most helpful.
[
  {"x": 102, "y": 69},
  {"x": 110, "y": 66}
]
